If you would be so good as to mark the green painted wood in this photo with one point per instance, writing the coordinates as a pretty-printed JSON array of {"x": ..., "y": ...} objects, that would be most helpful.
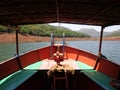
[
  {"x": 99, "y": 78},
  {"x": 34, "y": 65},
  {"x": 17, "y": 79},
  {"x": 82, "y": 65},
  {"x": 8, "y": 77}
]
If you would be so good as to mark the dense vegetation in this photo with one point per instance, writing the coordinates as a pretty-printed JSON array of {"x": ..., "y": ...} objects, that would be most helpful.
[
  {"x": 3, "y": 29},
  {"x": 45, "y": 30}
]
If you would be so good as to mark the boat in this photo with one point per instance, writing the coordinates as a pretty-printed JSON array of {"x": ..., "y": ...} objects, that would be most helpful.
[{"x": 59, "y": 66}]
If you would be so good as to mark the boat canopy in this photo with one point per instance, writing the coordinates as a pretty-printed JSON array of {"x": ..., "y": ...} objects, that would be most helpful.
[{"x": 89, "y": 12}]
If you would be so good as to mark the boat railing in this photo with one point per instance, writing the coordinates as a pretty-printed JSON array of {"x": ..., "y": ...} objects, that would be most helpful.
[{"x": 59, "y": 53}]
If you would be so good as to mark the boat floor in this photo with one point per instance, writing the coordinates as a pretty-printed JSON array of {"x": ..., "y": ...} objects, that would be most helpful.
[{"x": 41, "y": 81}]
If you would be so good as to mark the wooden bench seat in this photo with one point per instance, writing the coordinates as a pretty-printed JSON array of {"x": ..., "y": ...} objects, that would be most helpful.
[
  {"x": 14, "y": 80},
  {"x": 101, "y": 79}
]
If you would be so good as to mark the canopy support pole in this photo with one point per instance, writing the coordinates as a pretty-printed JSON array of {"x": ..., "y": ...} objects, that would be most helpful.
[
  {"x": 51, "y": 47},
  {"x": 17, "y": 47},
  {"x": 57, "y": 12},
  {"x": 17, "y": 43},
  {"x": 63, "y": 43},
  {"x": 100, "y": 46}
]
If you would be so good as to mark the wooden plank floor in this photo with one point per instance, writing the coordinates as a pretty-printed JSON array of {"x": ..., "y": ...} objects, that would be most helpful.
[{"x": 47, "y": 64}]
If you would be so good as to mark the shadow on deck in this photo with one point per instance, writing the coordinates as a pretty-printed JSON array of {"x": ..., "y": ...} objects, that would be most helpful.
[
  {"x": 40, "y": 81},
  {"x": 78, "y": 81}
]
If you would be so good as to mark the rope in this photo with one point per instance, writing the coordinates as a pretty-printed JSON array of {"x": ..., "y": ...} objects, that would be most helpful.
[{"x": 60, "y": 68}]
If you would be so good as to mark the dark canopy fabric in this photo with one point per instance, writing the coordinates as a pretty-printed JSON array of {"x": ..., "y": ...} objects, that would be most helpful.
[{"x": 91, "y": 12}]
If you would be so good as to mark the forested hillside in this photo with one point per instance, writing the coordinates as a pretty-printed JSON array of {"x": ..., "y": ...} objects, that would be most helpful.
[{"x": 44, "y": 30}]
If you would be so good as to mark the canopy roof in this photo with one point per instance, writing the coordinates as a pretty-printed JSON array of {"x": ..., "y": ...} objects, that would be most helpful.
[{"x": 92, "y": 12}]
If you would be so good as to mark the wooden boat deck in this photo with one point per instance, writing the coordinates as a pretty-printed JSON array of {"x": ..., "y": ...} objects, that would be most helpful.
[
  {"x": 87, "y": 71},
  {"x": 47, "y": 64},
  {"x": 39, "y": 75}
]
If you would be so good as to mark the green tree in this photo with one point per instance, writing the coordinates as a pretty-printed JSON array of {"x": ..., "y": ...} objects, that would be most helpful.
[{"x": 3, "y": 29}]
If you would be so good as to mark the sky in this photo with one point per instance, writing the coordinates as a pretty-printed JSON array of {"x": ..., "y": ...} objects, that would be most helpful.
[{"x": 76, "y": 27}]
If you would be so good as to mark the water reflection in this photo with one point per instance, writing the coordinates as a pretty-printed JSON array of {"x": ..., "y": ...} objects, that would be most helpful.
[{"x": 110, "y": 49}]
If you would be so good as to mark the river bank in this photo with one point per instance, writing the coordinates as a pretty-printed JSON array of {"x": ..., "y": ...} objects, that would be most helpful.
[{"x": 10, "y": 38}]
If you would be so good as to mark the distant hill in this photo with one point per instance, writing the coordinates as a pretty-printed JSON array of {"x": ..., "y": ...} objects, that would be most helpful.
[
  {"x": 92, "y": 32},
  {"x": 115, "y": 33}
]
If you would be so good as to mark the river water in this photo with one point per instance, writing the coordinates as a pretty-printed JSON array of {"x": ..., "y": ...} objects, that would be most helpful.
[{"x": 111, "y": 49}]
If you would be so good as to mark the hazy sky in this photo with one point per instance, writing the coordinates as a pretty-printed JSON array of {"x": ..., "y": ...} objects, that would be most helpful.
[{"x": 77, "y": 27}]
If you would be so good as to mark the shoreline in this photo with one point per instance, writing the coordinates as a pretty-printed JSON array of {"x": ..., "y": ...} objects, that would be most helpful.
[{"x": 10, "y": 38}]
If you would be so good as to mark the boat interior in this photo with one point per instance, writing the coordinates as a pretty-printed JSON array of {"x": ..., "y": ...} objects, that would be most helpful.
[{"x": 37, "y": 64}]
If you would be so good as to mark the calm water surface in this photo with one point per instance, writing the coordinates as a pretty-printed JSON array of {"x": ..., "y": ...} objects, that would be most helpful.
[{"x": 111, "y": 49}]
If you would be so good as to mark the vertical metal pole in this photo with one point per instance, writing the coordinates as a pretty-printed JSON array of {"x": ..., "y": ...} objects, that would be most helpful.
[
  {"x": 63, "y": 43},
  {"x": 51, "y": 47},
  {"x": 17, "y": 48},
  {"x": 100, "y": 46},
  {"x": 17, "y": 45}
]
